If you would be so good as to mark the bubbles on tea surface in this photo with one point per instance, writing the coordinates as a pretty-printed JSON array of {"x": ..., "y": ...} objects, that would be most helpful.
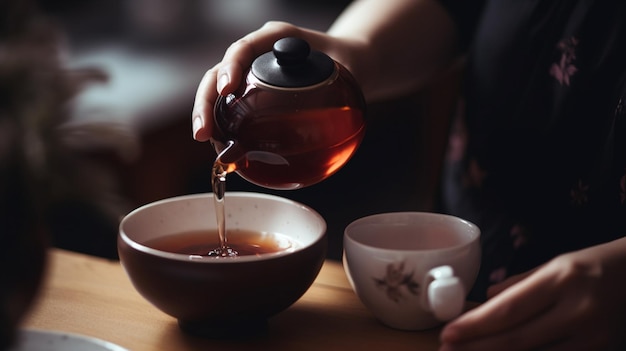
[{"x": 223, "y": 252}]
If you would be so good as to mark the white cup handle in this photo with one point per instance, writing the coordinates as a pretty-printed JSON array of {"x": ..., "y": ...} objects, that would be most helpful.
[{"x": 443, "y": 294}]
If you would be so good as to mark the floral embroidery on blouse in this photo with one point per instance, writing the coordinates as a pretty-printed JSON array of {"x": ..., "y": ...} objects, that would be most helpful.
[
  {"x": 498, "y": 275},
  {"x": 565, "y": 69},
  {"x": 578, "y": 193},
  {"x": 519, "y": 235},
  {"x": 475, "y": 174}
]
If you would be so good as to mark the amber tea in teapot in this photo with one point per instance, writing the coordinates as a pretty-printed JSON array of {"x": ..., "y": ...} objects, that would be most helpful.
[{"x": 296, "y": 120}]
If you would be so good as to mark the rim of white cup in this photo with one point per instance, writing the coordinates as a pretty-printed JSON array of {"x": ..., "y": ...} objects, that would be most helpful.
[
  {"x": 230, "y": 260},
  {"x": 475, "y": 230}
]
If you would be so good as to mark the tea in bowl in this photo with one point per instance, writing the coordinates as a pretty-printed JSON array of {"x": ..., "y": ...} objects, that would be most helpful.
[
  {"x": 412, "y": 270},
  {"x": 163, "y": 248}
]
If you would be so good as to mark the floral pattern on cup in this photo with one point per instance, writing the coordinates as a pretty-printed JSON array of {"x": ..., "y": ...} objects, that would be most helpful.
[{"x": 395, "y": 279}]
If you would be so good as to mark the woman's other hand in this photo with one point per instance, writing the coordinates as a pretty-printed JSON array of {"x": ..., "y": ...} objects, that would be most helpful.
[{"x": 574, "y": 302}]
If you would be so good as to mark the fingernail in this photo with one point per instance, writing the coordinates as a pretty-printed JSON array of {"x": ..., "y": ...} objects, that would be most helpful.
[
  {"x": 196, "y": 126},
  {"x": 222, "y": 82}
]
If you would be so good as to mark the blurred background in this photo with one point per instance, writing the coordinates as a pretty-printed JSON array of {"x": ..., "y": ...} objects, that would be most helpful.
[{"x": 154, "y": 53}]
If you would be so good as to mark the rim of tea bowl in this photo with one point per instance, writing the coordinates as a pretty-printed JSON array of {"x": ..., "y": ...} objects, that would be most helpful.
[{"x": 184, "y": 288}]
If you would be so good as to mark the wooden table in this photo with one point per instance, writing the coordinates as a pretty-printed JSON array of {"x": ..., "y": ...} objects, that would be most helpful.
[{"x": 94, "y": 297}]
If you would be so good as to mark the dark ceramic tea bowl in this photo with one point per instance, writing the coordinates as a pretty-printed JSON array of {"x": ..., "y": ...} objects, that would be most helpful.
[{"x": 225, "y": 296}]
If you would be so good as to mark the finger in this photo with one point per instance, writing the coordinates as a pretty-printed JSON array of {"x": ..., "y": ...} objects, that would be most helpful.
[
  {"x": 512, "y": 307},
  {"x": 546, "y": 331},
  {"x": 240, "y": 54},
  {"x": 246, "y": 49},
  {"x": 497, "y": 288},
  {"x": 202, "y": 113},
  {"x": 225, "y": 77}
]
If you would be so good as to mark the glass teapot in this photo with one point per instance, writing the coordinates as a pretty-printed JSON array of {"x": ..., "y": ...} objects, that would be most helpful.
[{"x": 299, "y": 117}]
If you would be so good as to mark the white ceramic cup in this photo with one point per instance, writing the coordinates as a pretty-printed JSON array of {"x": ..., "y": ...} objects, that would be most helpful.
[{"x": 412, "y": 270}]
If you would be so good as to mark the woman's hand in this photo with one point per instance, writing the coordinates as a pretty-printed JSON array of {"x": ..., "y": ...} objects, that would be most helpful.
[
  {"x": 574, "y": 302},
  {"x": 377, "y": 51},
  {"x": 225, "y": 77}
]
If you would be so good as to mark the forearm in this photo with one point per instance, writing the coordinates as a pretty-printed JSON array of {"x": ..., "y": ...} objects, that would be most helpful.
[{"x": 394, "y": 46}]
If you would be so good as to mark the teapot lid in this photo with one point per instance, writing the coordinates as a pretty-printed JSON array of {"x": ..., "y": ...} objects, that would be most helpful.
[{"x": 292, "y": 64}]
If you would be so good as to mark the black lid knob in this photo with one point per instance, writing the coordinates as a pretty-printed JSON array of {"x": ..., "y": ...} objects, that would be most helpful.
[{"x": 292, "y": 64}]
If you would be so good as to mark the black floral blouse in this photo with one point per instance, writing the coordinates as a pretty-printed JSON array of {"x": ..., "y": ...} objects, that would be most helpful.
[{"x": 537, "y": 156}]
